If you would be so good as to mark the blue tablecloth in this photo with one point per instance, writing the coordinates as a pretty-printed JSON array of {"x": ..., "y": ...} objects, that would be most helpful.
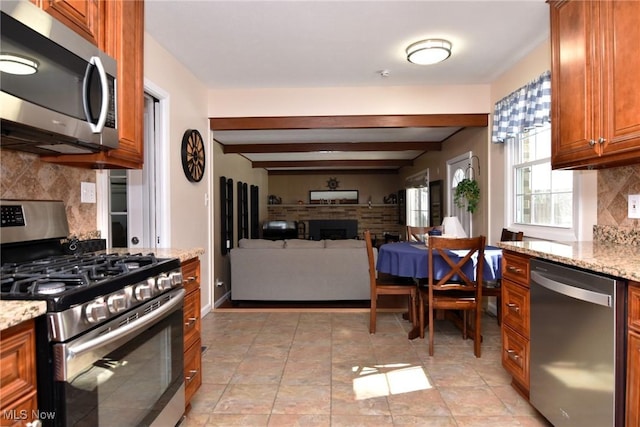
[{"x": 411, "y": 260}]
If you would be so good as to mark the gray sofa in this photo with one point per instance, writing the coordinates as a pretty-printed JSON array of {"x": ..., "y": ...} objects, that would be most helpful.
[{"x": 299, "y": 270}]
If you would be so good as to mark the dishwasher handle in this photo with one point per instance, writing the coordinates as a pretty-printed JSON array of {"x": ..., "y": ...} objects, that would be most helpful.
[{"x": 572, "y": 291}]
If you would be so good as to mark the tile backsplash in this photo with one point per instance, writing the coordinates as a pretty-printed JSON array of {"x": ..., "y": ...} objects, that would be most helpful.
[
  {"x": 24, "y": 176},
  {"x": 614, "y": 187}
]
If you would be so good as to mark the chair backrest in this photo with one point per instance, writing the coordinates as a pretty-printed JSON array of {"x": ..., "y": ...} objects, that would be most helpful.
[
  {"x": 511, "y": 236},
  {"x": 417, "y": 234},
  {"x": 372, "y": 267},
  {"x": 465, "y": 249}
]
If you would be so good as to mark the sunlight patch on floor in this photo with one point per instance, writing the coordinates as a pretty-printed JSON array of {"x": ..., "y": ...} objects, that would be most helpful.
[{"x": 385, "y": 380}]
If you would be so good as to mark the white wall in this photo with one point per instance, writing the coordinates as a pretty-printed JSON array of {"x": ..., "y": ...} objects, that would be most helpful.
[
  {"x": 349, "y": 100},
  {"x": 187, "y": 100}
]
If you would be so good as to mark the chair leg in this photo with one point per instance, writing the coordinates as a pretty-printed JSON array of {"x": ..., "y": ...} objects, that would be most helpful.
[
  {"x": 430, "y": 331},
  {"x": 372, "y": 314},
  {"x": 464, "y": 324},
  {"x": 413, "y": 310},
  {"x": 477, "y": 340},
  {"x": 421, "y": 314},
  {"x": 499, "y": 309}
]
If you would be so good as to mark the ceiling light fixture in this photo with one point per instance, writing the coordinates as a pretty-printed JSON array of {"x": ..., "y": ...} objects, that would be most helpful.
[
  {"x": 430, "y": 51},
  {"x": 18, "y": 65}
]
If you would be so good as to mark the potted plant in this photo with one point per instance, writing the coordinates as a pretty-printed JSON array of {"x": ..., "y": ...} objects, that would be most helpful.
[{"x": 469, "y": 191}]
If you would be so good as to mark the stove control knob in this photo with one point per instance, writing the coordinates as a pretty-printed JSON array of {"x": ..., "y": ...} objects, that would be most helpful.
[
  {"x": 96, "y": 311},
  {"x": 116, "y": 303},
  {"x": 143, "y": 290},
  {"x": 163, "y": 282},
  {"x": 176, "y": 278}
]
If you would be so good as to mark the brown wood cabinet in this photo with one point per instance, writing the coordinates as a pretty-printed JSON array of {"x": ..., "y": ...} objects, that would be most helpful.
[
  {"x": 515, "y": 319},
  {"x": 595, "y": 83},
  {"x": 123, "y": 22},
  {"x": 192, "y": 331},
  {"x": 82, "y": 16},
  {"x": 18, "y": 392},
  {"x": 633, "y": 356}
]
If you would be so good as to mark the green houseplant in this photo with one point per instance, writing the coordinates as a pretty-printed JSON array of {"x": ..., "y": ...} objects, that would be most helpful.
[{"x": 469, "y": 191}]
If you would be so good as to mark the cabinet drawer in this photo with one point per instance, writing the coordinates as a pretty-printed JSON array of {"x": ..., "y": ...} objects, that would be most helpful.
[
  {"x": 516, "y": 268},
  {"x": 192, "y": 370},
  {"x": 515, "y": 356},
  {"x": 634, "y": 307},
  {"x": 191, "y": 274},
  {"x": 191, "y": 318},
  {"x": 17, "y": 364},
  {"x": 515, "y": 307}
]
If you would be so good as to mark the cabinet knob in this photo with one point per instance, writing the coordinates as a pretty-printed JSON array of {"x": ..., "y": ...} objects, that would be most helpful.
[
  {"x": 513, "y": 307},
  {"x": 601, "y": 140},
  {"x": 592, "y": 142}
]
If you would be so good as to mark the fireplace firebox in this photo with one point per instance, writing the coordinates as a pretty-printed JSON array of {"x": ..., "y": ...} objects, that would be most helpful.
[{"x": 333, "y": 229}]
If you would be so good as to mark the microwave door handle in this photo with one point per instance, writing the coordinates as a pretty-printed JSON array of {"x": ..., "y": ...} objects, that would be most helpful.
[{"x": 96, "y": 62}]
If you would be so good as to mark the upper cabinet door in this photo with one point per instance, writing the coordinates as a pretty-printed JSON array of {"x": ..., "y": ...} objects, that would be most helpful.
[
  {"x": 574, "y": 82},
  {"x": 621, "y": 78},
  {"x": 595, "y": 85},
  {"x": 82, "y": 16}
]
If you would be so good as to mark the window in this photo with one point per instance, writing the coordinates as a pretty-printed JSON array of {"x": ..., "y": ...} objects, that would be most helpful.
[
  {"x": 418, "y": 207},
  {"x": 541, "y": 196}
]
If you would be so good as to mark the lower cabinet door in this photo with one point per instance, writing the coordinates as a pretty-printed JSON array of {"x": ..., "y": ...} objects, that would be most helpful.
[
  {"x": 515, "y": 356},
  {"x": 192, "y": 371}
]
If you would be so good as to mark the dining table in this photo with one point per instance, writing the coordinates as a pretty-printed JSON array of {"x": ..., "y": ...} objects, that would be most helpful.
[{"x": 411, "y": 260}]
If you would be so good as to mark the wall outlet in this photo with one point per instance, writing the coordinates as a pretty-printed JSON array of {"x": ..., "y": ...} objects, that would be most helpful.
[
  {"x": 634, "y": 206},
  {"x": 87, "y": 192}
]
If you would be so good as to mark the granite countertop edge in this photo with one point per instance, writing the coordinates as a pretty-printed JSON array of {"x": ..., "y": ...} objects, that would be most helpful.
[
  {"x": 613, "y": 259},
  {"x": 15, "y": 312},
  {"x": 182, "y": 254}
]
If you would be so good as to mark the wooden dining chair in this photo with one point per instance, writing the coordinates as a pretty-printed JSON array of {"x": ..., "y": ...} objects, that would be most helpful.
[
  {"x": 511, "y": 236},
  {"x": 388, "y": 286},
  {"x": 417, "y": 234},
  {"x": 455, "y": 290},
  {"x": 496, "y": 290}
]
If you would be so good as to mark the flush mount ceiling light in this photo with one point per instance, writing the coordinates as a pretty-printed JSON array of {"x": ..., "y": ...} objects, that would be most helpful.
[
  {"x": 15, "y": 64},
  {"x": 430, "y": 51}
]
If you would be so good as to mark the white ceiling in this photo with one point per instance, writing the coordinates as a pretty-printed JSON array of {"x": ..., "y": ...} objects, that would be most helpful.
[{"x": 308, "y": 43}]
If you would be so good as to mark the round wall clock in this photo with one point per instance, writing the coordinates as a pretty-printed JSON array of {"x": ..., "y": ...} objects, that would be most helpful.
[{"x": 193, "y": 160}]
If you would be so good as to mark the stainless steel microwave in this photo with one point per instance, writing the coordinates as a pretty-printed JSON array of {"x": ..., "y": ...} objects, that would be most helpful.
[{"x": 58, "y": 91}]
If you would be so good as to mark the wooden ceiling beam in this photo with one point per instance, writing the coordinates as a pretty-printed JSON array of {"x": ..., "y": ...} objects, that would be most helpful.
[
  {"x": 348, "y": 122},
  {"x": 332, "y": 164},
  {"x": 331, "y": 146}
]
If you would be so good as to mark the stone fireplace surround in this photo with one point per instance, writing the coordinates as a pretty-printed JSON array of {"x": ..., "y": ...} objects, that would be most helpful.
[{"x": 379, "y": 219}]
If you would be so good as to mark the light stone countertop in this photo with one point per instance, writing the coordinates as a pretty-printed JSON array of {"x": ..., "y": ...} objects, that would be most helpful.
[
  {"x": 182, "y": 254},
  {"x": 15, "y": 312},
  {"x": 602, "y": 257}
]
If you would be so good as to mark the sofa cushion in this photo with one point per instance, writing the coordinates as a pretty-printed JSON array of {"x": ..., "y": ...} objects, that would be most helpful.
[
  {"x": 303, "y": 244},
  {"x": 345, "y": 243},
  {"x": 260, "y": 244}
]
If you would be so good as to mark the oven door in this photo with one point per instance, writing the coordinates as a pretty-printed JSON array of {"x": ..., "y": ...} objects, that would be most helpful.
[{"x": 128, "y": 372}]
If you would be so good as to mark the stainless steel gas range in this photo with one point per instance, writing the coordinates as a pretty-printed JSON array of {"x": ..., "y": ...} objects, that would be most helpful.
[{"x": 110, "y": 346}]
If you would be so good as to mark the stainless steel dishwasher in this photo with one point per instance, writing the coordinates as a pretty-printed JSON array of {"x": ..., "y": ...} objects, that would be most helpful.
[{"x": 577, "y": 346}]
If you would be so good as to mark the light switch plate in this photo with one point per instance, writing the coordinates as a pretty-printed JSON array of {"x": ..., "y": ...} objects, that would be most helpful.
[
  {"x": 634, "y": 206},
  {"x": 87, "y": 192}
]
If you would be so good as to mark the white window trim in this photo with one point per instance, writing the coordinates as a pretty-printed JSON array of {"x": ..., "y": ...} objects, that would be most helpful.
[{"x": 584, "y": 207}]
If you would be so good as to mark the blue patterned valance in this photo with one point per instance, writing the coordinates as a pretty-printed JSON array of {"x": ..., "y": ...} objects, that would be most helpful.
[{"x": 523, "y": 109}]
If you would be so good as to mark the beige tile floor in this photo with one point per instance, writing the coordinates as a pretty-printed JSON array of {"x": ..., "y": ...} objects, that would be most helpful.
[{"x": 314, "y": 368}]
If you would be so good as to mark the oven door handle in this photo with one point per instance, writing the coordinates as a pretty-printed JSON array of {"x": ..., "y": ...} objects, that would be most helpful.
[{"x": 77, "y": 350}]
